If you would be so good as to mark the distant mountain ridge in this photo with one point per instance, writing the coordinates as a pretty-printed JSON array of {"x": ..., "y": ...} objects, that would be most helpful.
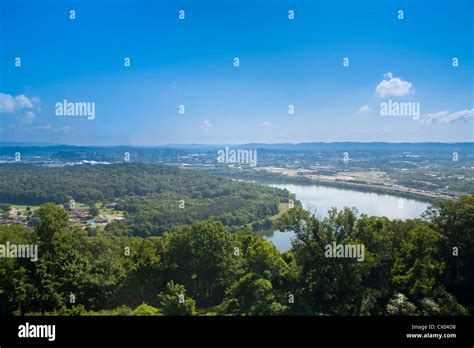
[{"x": 308, "y": 146}]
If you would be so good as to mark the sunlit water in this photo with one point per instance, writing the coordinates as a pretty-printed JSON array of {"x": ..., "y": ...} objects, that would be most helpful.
[{"x": 320, "y": 199}]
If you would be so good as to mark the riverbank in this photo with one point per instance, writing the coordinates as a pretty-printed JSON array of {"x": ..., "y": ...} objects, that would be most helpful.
[{"x": 262, "y": 175}]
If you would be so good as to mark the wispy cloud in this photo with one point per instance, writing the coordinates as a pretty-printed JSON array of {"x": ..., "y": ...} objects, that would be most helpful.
[
  {"x": 28, "y": 117},
  {"x": 265, "y": 124},
  {"x": 393, "y": 86},
  {"x": 364, "y": 109},
  {"x": 63, "y": 130},
  {"x": 47, "y": 127},
  {"x": 447, "y": 117}
]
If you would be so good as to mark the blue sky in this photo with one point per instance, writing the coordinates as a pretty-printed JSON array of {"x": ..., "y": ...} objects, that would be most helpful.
[{"x": 190, "y": 62}]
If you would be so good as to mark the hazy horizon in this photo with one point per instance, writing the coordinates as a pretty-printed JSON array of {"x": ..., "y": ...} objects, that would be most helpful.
[{"x": 29, "y": 144}]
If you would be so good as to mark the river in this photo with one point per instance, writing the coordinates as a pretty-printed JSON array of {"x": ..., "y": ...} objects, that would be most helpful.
[{"x": 320, "y": 199}]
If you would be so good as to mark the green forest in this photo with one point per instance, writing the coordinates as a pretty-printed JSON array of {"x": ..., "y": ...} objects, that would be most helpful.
[
  {"x": 156, "y": 198},
  {"x": 413, "y": 267}
]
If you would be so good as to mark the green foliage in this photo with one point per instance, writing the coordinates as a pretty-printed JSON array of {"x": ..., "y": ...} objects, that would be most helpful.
[
  {"x": 442, "y": 303},
  {"x": 63, "y": 311},
  {"x": 251, "y": 296},
  {"x": 93, "y": 210},
  {"x": 141, "y": 310},
  {"x": 148, "y": 193},
  {"x": 202, "y": 259},
  {"x": 15, "y": 273},
  {"x": 454, "y": 219},
  {"x": 5, "y": 210},
  {"x": 415, "y": 270},
  {"x": 53, "y": 219},
  {"x": 326, "y": 285},
  {"x": 145, "y": 310},
  {"x": 118, "y": 311},
  {"x": 405, "y": 270},
  {"x": 173, "y": 300},
  {"x": 399, "y": 305}
]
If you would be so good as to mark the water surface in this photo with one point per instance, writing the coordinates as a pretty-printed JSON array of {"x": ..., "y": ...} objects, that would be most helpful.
[{"x": 320, "y": 199}]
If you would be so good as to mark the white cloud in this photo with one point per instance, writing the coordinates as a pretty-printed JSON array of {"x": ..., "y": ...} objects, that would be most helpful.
[
  {"x": 446, "y": 117},
  {"x": 23, "y": 102},
  {"x": 265, "y": 124},
  {"x": 10, "y": 104},
  {"x": 23, "y": 107},
  {"x": 7, "y": 103},
  {"x": 364, "y": 109},
  {"x": 393, "y": 86}
]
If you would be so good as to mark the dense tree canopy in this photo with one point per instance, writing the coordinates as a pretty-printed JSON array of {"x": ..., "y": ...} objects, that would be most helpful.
[
  {"x": 204, "y": 269},
  {"x": 155, "y": 198}
]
